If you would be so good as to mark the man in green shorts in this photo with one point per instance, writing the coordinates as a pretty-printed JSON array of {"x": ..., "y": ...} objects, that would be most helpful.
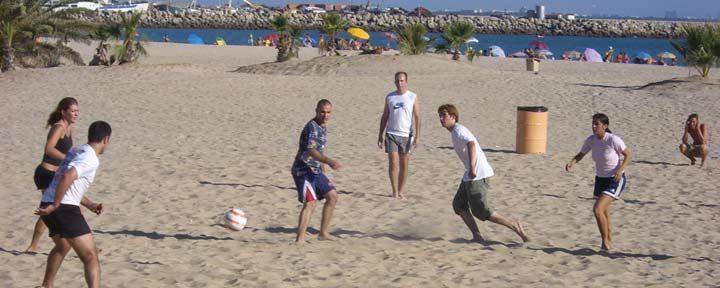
[{"x": 471, "y": 196}]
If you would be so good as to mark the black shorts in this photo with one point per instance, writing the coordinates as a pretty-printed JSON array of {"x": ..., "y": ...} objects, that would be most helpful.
[
  {"x": 66, "y": 221},
  {"x": 43, "y": 177}
]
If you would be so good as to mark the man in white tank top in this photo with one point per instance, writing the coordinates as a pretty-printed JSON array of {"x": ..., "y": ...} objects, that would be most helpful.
[{"x": 399, "y": 130}]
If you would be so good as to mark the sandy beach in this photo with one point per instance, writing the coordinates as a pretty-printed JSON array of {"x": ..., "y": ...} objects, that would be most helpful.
[{"x": 200, "y": 129}]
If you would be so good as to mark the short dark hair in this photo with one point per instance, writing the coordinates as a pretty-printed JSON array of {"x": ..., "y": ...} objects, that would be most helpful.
[
  {"x": 694, "y": 115},
  {"x": 98, "y": 131},
  {"x": 401, "y": 73},
  {"x": 322, "y": 103}
]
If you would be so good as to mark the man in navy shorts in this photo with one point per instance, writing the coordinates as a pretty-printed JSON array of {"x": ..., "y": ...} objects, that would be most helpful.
[
  {"x": 307, "y": 170},
  {"x": 60, "y": 206}
]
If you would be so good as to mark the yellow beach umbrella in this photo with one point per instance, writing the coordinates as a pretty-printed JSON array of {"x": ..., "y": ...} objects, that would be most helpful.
[
  {"x": 666, "y": 55},
  {"x": 358, "y": 33}
]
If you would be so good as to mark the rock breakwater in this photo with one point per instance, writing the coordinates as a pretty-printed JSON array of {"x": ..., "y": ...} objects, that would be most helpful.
[{"x": 260, "y": 19}]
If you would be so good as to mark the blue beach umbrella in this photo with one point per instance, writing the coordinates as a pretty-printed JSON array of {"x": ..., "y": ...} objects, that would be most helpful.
[
  {"x": 303, "y": 39},
  {"x": 195, "y": 39},
  {"x": 643, "y": 56}
]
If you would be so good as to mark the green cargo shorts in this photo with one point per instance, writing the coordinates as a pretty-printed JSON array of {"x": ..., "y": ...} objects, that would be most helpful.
[{"x": 472, "y": 195}]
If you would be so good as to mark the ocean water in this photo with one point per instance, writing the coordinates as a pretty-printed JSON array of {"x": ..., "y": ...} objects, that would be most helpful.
[{"x": 509, "y": 43}]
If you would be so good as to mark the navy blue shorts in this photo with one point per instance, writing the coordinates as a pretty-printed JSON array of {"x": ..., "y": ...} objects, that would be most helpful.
[
  {"x": 608, "y": 186},
  {"x": 311, "y": 187},
  {"x": 66, "y": 221},
  {"x": 43, "y": 177}
]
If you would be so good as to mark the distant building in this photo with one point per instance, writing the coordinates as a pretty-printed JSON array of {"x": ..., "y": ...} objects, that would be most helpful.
[
  {"x": 671, "y": 14},
  {"x": 540, "y": 12}
]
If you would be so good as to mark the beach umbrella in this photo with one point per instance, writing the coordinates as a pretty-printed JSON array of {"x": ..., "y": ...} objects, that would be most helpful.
[
  {"x": 390, "y": 35},
  {"x": 572, "y": 54},
  {"x": 472, "y": 40},
  {"x": 358, "y": 33},
  {"x": 666, "y": 55},
  {"x": 303, "y": 39},
  {"x": 643, "y": 56},
  {"x": 591, "y": 55},
  {"x": 539, "y": 45},
  {"x": 272, "y": 37},
  {"x": 519, "y": 54},
  {"x": 195, "y": 39},
  {"x": 496, "y": 51}
]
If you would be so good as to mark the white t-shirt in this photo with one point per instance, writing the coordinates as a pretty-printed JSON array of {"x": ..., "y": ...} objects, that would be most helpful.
[
  {"x": 85, "y": 162},
  {"x": 461, "y": 136},
  {"x": 401, "y": 113},
  {"x": 605, "y": 152}
]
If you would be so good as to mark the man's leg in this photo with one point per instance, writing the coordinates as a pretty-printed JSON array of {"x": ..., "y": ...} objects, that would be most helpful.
[
  {"x": 512, "y": 225},
  {"x": 685, "y": 150},
  {"x": 84, "y": 246},
  {"x": 37, "y": 234},
  {"x": 304, "y": 219},
  {"x": 602, "y": 204},
  {"x": 703, "y": 154},
  {"x": 331, "y": 199},
  {"x": 404, "y": 161},
  {"x": 470, "y": 222},
  {"x": 55, "y": 259},
  {"x": 393, "y": 172}
]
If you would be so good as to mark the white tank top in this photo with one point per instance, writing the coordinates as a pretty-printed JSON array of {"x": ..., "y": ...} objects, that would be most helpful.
[{"x": 401, "y": 113}]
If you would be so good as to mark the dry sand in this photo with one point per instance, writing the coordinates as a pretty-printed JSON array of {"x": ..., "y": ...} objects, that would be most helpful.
[{"x": 192, "y": 138}]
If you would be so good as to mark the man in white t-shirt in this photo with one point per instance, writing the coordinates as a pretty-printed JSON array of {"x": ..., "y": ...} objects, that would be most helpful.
[
  {"x": 398, "y": 132},
  {"x": 471, "y": 196},
  {"x": 60, "y": 206}
]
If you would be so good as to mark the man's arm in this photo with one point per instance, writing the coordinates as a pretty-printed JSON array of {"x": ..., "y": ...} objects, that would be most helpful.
[
  {"x": 383, "y": 123},
  {"x": 323, "y": 159},
  {"x": 96, "y": 208},
  {"x": 685, "y": 134},
  {"x": 67, "y": 180},
  {"x": 471, "y": 157},
  {"x": 703, "y": 134},
  {"x": 416, "y": 115}
]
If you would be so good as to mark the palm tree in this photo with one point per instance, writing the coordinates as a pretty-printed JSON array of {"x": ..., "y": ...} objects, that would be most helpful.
[
  {"x": 701, "y": 49},
  {"x": 412, "y": 40},
  {"x": 333, "y": 24},
  {"x": 24, "y": 21},
  {"x": 456, "y": 34},
  {"x": 103, "y": 34},
  {"x": 287, "y": 42},
  {"x": 294, "y": 33},
  {"x": 130, "y": 49}
]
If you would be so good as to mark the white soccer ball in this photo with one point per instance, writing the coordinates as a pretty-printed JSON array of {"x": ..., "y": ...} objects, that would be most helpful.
[{"x": 234, "y": 219}]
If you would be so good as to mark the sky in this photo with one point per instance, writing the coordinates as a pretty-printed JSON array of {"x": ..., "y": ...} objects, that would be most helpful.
[{"x": 642, "y": 8}]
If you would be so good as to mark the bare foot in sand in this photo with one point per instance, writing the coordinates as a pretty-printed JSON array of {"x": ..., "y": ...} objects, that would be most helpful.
[
  {"x": 32, "y": 250},
  {"x": 326, "y": 237},
  {"x": 518, "y": 228}
]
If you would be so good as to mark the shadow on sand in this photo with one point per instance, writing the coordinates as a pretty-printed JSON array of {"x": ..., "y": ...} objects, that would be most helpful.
[
  {"x": 488, "y": 150},
  {"x": 244, "y": 185},
  {"x": 612, "y": 255},
  {"x": 658, "y": 163},
  {"x": 353, "y": 233},
  {"x": 159, "y": 236}
]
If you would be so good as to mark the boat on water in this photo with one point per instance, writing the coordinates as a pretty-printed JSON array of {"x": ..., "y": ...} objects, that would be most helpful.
[
  {"x": 81, "y": 4},
  {"x": 126, "y": 7}
]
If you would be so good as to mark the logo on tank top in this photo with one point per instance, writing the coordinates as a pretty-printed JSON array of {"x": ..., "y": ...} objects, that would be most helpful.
[{"x": 399, "y": 105}]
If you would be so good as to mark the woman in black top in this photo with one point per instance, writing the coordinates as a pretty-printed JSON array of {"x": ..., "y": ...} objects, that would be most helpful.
[{"x": 59, "y": 142}]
